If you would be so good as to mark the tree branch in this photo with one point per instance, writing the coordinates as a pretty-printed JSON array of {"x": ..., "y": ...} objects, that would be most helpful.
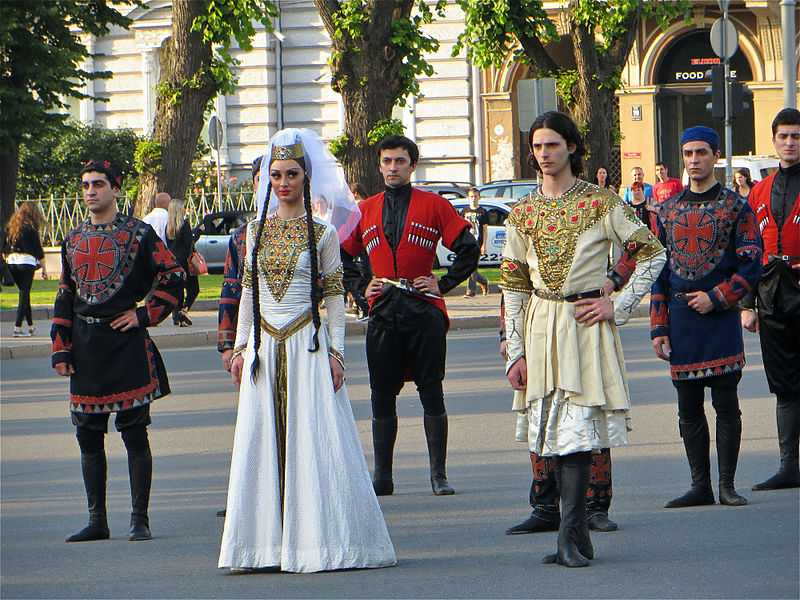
[
  {"x": 620, "y": 48},
  {"x": 326, "y": 9},
  {"x": 532, "y": 46}
]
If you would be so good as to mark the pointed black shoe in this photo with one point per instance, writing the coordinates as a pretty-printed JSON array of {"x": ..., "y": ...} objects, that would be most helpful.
[
  {"x": 140, "y": 528},
  {"x": 384, "y": 434},
  {"x": 535, "y": 523},
  {"x": 696, "y": 442},
  {"x": 93, "y": 467},
  {"x": 436, "y": 435},
  {"x": 599, "y": 521},
  {"x": 729, "y": 436},
  {"x": 787, "y": 413}
]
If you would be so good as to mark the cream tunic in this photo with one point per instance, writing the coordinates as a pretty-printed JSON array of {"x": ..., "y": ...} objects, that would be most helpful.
[{"x": 577, "y": 396}]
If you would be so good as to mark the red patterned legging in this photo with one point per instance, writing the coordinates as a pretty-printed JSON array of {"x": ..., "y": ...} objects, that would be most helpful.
[{"x": 544, "y": 490}]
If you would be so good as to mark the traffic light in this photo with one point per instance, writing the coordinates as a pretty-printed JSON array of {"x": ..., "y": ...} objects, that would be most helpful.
[
  {"x": 718, "y": 92},
  {"x": 738, "y": 105}
]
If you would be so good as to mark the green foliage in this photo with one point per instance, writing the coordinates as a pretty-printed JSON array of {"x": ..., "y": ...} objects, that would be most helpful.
[
  {"x": 41, "y": 54},
  {"x": 566, "y": 80},
  {"x": 50, "y": 164},
  {"x": 338, "y": 146},
  {"x": 223, "y": 22},
  {"x": 385, "y": 128},
  {"x": 147, "y": 157}
]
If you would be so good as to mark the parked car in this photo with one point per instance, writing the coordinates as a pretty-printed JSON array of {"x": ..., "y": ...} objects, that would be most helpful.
[
  {"x": 214, "y": 233},
  {"x": 450, "y": 190},
  {"x": 497, "y": 212},
  {"x": 510, "y": 190},
  {"x": 759, "y": 167}
]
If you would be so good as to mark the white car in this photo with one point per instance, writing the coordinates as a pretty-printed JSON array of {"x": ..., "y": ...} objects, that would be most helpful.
[
  {"x": 497, "y": 211},
  {"x": 758, "y": 167}
]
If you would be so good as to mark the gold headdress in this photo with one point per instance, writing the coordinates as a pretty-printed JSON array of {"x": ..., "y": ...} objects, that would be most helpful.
[{"x": 292, "y": 152}]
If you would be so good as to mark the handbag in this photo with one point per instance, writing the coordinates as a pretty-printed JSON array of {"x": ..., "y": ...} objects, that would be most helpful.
[
  {"x": 197, "y": 264},
  {"x": 6, "y": 278}
]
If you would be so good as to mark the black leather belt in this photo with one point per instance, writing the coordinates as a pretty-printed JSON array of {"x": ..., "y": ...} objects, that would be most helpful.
[
  {"x": 548, "y": 295},
  {"x": 406, "y": 285},
  {"x": 95, "y": 320},
  {"x": 785, "y": 258}
]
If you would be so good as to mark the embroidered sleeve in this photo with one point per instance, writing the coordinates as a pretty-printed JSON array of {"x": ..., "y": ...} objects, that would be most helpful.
[
  {"x": 659, "y": 294},
  {"x": 333, "y": 291},
  {"x": 168, "y": 281},
  {"x": 61, "y": 328},
  {"x": 516, "y": 284},
  {"x": 748, "y": 248},
  {"x": 244, "y": 320},
  {"x": 231, "y": 292}
]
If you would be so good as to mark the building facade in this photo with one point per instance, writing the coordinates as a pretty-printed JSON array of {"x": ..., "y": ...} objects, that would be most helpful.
[{"x": 469, "y": 123}]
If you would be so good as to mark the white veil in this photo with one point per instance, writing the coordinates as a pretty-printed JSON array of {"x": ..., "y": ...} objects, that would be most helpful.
[{"x": 330, "y": 195}]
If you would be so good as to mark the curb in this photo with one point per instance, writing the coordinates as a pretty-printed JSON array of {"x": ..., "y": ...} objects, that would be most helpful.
[{"x": 208, "y": 337}]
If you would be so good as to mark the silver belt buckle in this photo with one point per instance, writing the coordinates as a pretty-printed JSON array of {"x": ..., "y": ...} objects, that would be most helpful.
[
  {"x": 91, "y": 320},
  {"x": 404, "y": 284}
]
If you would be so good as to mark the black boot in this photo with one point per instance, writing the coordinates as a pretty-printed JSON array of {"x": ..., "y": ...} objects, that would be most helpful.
[
  {"x": 696, "y": 442},
  {"x": 729, "y": 437},
  {"x": 598, "y": 496},
  {"x": 787, "y": 413},
  {"x": 436, "y": 435},
  {"x": 574, "y": 543},
  {"x": 384, "y": 434},
  {"x": 543, "y": 499},
  {"x": 93, "y": 466},
  {"x": 140, "y": 472}
]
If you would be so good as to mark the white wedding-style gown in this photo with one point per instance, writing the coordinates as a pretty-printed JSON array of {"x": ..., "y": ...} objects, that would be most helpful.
[{"x": 300, "y": 496}]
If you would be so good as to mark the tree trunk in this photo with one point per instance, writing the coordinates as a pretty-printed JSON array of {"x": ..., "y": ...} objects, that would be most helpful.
[
  {"x": 9, "y": 169},
  {"x": 367, "y": 77},
  {"x": 178, "y": 123}
]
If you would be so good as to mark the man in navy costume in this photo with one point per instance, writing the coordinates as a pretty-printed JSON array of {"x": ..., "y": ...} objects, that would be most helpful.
[
  {"x": 109, "y": 263},
  {"x": 713, "y": 261}
]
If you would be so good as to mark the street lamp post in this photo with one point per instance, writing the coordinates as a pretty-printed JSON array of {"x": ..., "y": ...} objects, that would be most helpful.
[{"x": 789, "y": 68}]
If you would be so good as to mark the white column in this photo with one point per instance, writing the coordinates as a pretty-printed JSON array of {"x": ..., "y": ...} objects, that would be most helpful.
[
  {"x": 149, "y": 82},
  {"x": 477, "y": 125},
  {"x": 410, "y": 118},
  {"x": 87, "y": 104}
]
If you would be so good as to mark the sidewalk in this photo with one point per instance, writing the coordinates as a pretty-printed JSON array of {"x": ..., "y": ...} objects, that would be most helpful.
[{"x": 480, "y": 312}]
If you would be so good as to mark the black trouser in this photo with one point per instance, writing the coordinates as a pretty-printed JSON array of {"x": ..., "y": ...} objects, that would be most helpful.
[
  {"x": 416, "y": 346},
  {"x": 780, "y": 348},
  {"x": 475, "y": 278},
  {"x": 691, "y": 395},
  {"x": 23, "y": 279}
]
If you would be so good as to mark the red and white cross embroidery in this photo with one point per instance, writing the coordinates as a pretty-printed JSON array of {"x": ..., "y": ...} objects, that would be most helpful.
[{"x": 95, "y": 258}]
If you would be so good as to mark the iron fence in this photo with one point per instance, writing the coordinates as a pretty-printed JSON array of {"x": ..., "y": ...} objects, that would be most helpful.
[{"x": 63, "y": 213}]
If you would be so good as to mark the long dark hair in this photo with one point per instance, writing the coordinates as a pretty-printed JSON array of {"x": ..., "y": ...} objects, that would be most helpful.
[
  {"x": 316, "y": 288},
  {"x": 566, "y": 128}
]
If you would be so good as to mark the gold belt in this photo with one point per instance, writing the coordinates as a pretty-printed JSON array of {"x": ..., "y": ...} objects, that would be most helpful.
[{"x": 288, "y": 330}]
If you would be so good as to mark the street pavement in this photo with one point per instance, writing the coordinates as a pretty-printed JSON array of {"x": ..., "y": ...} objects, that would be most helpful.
[{"x": 447, "y": 546}]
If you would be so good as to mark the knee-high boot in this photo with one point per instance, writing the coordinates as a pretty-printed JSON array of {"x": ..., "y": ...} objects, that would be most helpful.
[
  {"x": 436, "y": 435},
  {"x": 140, "y": 473},
  {"x": 384, "y": 434},
  {"x": 94, "y": 469},
  {"x": 598, "y": 496},
  {"x": 787, "y": 413},
  {"x": 574, "y": 543},
  {"x": 729, "y": 438},
  {"x": 543, "y": 498},
  {"x": 696, "y": 442}
]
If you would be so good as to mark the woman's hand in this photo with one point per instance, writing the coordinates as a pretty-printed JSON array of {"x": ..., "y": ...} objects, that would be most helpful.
[
  {"x": 237, "y": 364},
  {"x": 518, "y": 374},
  {"x": 337, "y": 373}
]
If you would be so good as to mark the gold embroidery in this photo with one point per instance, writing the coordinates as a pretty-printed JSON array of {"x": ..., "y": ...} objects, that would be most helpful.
[
  {"x": 642, "y": 245},
  {"x": 332, "y": 284},
  {"x": 555, "y": 224},
  {"x": 281, "y": 244},
  {"x": 514, "y": 276}
]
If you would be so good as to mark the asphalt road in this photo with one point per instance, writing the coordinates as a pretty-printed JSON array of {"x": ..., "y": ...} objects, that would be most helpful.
[{"x": 447, "y": 546}]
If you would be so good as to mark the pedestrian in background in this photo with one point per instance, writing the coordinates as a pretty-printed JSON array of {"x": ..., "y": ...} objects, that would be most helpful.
[
  {"x": 179, "y": 240},
  {"x": 157, "y": 217},
  {"x": 742, "y": 184},
  {"x": 602, "y": 180},
  {"x": 359, "y": 193},
  {"x": 637, "y": 176},
  {"x": 666, "y": 186},
  {"x": 25, "y": 256},
  {"x": 478, "y": 220}
]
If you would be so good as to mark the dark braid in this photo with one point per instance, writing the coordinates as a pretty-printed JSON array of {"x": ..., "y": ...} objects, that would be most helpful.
[
  {"x": 316, "y": 288},
  {"x": 254, "y": 278}
]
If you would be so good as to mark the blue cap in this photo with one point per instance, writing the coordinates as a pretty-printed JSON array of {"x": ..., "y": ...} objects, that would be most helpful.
[{"x": 701, "y": 133}]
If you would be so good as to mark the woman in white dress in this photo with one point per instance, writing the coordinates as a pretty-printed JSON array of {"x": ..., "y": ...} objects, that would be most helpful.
[{"x": 300, "y": 497}]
